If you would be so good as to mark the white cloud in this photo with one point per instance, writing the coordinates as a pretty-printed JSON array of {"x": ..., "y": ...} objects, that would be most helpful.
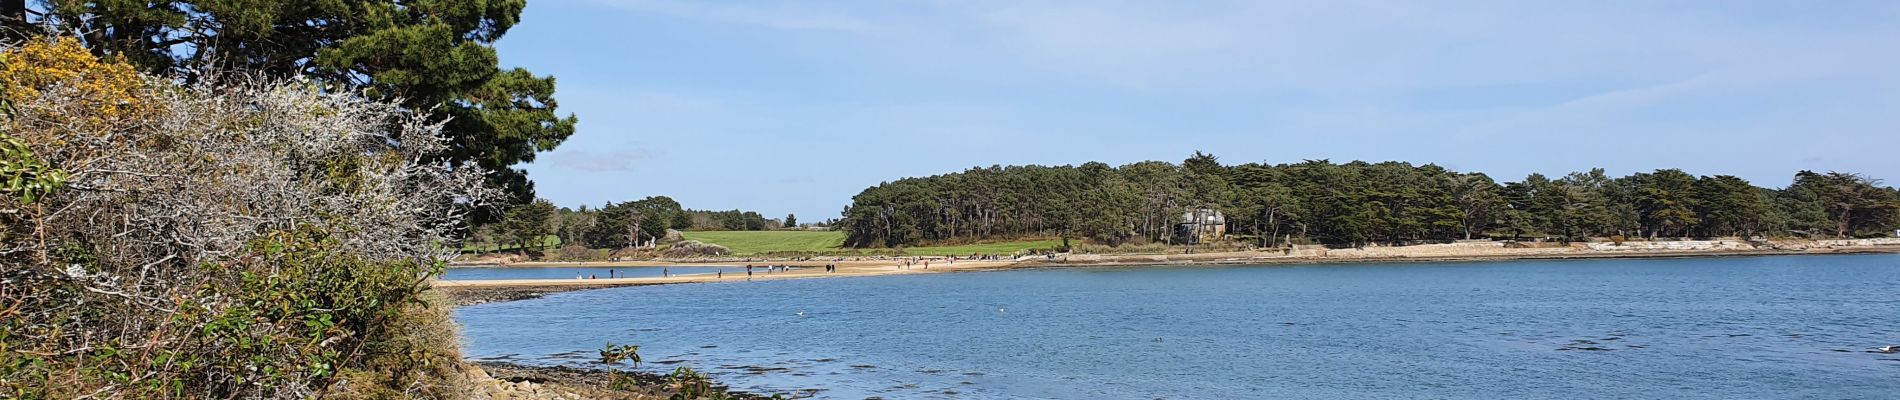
[
  {"x": 1504, "y": 86},
  {"x": 789, "y": 16},
  {"x": 587, "y": 161}
]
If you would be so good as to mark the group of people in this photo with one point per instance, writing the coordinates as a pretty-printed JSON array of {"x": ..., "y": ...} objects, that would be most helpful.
[
  {"x": 908, "y": 262},
  {"x": 611, "y": 274},
  {"x": 925, "y": 262},
  {"x": 770, "y": 268}
]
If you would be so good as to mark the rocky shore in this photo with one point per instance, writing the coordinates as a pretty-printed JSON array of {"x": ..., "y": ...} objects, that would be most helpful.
[
  {"x": 504, "y": 381},
  {"x": 472, "y": 295}
]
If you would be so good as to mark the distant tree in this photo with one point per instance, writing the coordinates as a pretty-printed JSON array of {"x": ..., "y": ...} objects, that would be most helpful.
[
  {"x": 657, "y": 214},
  {"x": 1853, "y": 204},
  {"x": 791, "y": 220},
  {"x": 574, "y": 225},
  {"x": 1261, "y": 200},
  {"x": 609, "y": 227},
  {"x": 1666, "y": 202},
  {"x": 1206, "y": 184},
  {"x": 1523, "y": 214},
  {"x": 1479, "y": 201},
  {"x": 1107, "y": 205},
  {"x": 1727, "y": 205},
  {"x": 528, "y": 225}
]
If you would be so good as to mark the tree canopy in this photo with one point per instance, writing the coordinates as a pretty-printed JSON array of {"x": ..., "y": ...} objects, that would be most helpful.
[
  {"x": 1354, "y": 203},
  {"x": 434, "y": 56}
]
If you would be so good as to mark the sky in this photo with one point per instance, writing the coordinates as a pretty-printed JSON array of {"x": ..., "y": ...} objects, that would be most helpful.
[{"x": 795, "y": 106}]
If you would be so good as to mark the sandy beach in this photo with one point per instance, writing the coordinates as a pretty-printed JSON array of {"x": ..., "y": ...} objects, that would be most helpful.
[{"x": 733, "y": 273}]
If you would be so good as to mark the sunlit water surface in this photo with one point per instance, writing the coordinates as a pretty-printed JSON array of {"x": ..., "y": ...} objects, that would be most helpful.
[{"x": 1708, "y": 328}]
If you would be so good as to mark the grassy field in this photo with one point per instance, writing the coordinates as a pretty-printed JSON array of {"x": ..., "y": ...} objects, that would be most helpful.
[
  {"x": 756, "y": 242},
  {"x": 830, "y": 242}
]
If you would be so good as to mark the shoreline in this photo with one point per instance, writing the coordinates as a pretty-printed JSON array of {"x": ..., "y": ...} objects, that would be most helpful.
[
  {"x": 813, "y": 269},
  {"x": 471, "y": 292},
  {"x": 560, "y": 382},
  {"x": 527, "y": 381}
]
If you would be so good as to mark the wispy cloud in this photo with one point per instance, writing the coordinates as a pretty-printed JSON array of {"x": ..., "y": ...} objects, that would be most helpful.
[
  {"x": 916, "y": 87},
  {"x": 789, "y": 16},
  {"x": 587, "y": 161}
]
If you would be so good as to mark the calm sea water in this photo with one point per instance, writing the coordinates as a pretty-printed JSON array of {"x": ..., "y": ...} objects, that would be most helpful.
[
  {"x": 1712, "y": 328},
  {"x": 492, "y": 273}
]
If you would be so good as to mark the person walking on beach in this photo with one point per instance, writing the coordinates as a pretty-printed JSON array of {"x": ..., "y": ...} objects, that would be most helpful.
[
  {"x": 722, "y": 274},
  {"x": 666, "y": 272}
]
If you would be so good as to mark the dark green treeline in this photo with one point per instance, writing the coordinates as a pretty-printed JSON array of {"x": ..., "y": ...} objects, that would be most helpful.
[
  {"x": 1356, "y": 203},
  {"x": 617, "y": 225}
]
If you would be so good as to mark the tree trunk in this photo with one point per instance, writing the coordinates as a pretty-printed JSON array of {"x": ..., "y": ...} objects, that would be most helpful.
[
  {"x": 1274, "y": 221},
  {"x": 1260, "y": 228},
  {"x": 1841, "y": 228}
]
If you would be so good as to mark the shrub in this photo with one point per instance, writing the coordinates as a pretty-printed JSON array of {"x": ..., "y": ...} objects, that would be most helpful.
[
  {"x": 693, "y": 248},
  {"x": 1148, "y": 248},
  {"x": 225, "y": 239},
  {"x": 575, "y": 252}
]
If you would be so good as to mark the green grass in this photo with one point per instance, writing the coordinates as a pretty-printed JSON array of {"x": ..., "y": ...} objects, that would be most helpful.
[
  {"x": 757, "y": 242},
  {"x": 831, "y": 242}
]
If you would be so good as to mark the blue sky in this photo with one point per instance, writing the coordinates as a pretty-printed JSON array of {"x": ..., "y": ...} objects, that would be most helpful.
[{"x": 795, "y": 106}]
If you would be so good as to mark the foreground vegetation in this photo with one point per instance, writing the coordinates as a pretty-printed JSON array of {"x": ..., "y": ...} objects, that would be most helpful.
[
  {"x": 434, "y": 57},
  {"x": 1355, "y": 203},
  {"x": 238, "y": 239}
]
